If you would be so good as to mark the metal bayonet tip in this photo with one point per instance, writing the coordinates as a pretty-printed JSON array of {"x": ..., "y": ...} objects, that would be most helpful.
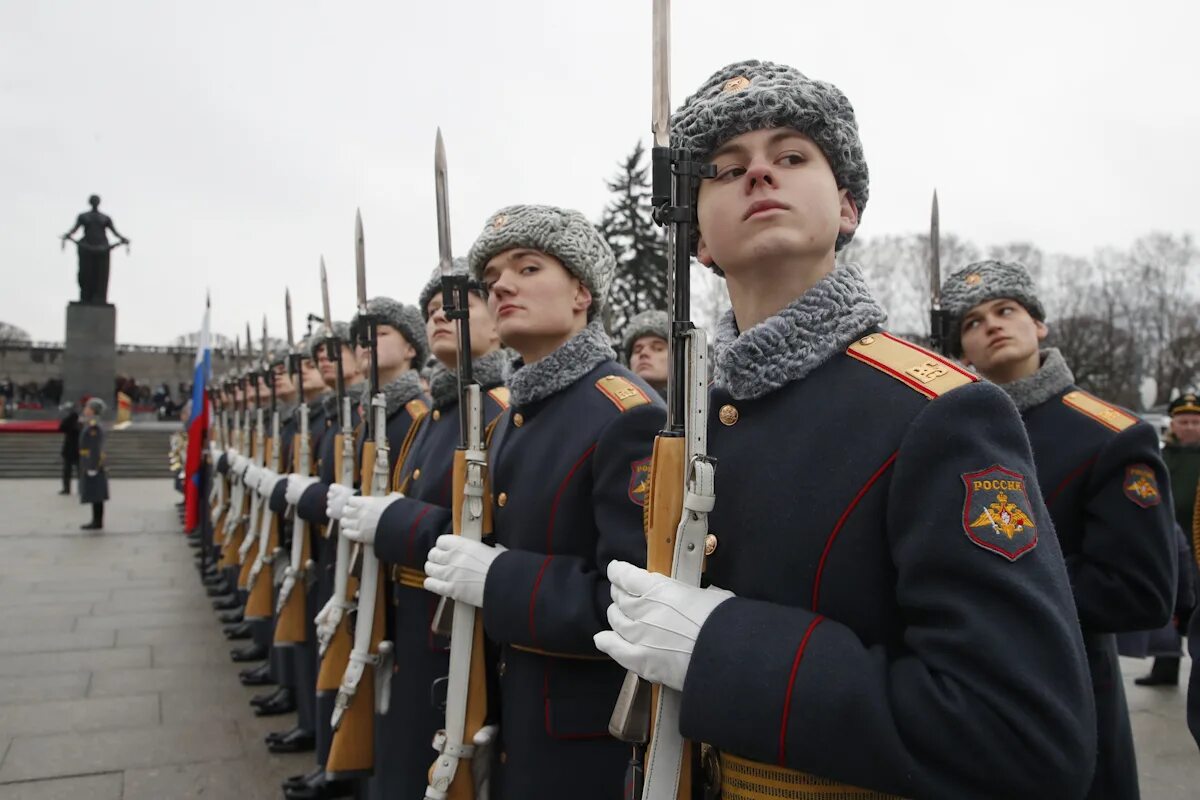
[
  {"x": 660, "y": 123},
  {"x": 360, "y": 261},
  {"x": 441, "y": 195}
]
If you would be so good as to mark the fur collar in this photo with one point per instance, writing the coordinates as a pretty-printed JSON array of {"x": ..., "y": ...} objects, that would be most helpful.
[
  {"x": 578, "y": 356},
  {"x": 801, "y": 337},
  {"x": 400, "y": 391},
  {"x": 490, "y": 371},
  {"x": 1051, "y": 378}
]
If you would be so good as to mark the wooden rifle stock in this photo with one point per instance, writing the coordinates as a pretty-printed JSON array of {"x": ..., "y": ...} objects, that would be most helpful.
[
  {"x": 291, "y": 623},
  {"x": 352, "y": 751},
  {"x": 337, "y": 655}
]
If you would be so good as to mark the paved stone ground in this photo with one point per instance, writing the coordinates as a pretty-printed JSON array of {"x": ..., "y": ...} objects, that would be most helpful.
[{"x": 115, "y": 680}]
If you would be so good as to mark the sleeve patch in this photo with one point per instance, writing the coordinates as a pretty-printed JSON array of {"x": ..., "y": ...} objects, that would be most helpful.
[
  {"x": 639, "y": 481},
  {"x": 1107, "y": 415},
  {"x": 997, "y": 514},
  {"x": 1141, "y": 486},
  {"x": 622, "y": 391}
]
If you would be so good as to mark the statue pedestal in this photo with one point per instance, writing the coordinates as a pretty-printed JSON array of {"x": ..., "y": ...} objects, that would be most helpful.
[{"x": 90, "y": 355}]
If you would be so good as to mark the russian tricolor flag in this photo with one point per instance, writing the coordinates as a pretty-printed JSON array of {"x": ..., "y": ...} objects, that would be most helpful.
[{"x": 197, "y": 428}]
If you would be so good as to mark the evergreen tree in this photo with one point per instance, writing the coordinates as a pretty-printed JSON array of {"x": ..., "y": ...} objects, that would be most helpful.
[{"x": 640, "y": 283}]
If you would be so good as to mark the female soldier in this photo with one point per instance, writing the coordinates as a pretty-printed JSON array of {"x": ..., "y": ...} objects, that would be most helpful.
[{"x": 568, "y": 463}]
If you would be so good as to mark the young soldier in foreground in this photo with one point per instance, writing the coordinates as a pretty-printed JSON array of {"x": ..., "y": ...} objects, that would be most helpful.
[
  {"x": 389, "y": 524},
  {"x": 864, "y": 634},
  {"x": 1103, "y": 481},
  {"x": 645, "y": 345},
  {"x": 568, "y": 464}
]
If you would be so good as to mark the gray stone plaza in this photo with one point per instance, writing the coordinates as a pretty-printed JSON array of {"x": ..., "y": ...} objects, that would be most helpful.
[{"x": 115, "y": 681}]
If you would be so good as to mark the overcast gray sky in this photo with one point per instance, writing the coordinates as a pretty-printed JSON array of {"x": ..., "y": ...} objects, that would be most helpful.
[{"x": 232, "y": 141}]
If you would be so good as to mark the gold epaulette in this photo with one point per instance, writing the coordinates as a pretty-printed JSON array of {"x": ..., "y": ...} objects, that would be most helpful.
[
  {"x": 1108, "y": 415},
  {"x": 916, "y": 367},
  {"x": 502, "y": 397},
  {"x": 622, "y": 391},
  {"x": 416, "y": 408}
]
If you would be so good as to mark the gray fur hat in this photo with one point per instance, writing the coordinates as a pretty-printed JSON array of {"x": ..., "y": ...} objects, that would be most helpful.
[
  {"x": 565, "y": 234},
  {"x": 405, "y": 319},
  {"x": 341, "y": 331},
  {"x": 279, "y": 355},
  {"x": 434, "y": 286},
  {"x": 757, "y": 95},
  {"x": 646, "y": 323},
  {"x": 982, "y": 281},
  {"x": 96, "y": 405}
]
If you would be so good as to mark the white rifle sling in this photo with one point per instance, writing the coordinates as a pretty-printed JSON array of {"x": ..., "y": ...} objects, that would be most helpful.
[
  {"x": 341, "y": 564},
  {"x": 296, "y": 568},
  {"x": 451, "y": 742},
  {"x": 664, "y": 758}
]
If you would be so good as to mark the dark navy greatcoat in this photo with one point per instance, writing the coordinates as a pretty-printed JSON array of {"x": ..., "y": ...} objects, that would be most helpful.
[
  {"x": 406, "y": 733},
  {"x": 885, "y": 633},
  {"x": 566, "y": 476},
  {"x": 1109, "y": 496},
  {"x": 92, "y": 488}
]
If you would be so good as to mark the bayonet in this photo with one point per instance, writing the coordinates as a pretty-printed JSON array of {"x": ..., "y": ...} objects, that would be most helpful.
[
  {"x": 938, "y": 322},
  {"x": 445, "y": 261},
  {"x": 360, "y": 263},
  {"x": 287, "y": 307},
  {"x": 325, "y": 301}
]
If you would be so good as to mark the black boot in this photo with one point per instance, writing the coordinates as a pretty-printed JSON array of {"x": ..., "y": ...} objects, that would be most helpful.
[
  {"x": 1165, "y": 672},
  {"x": 319, "y": 788},
  {"x": 268, "y": 698},
  {"x": 233, "y": 617},
  {"x": 97, "y": 523},
  {"x": 297, "y": 740},
  {"x": 257, "y": 676},
  {"x": 251, "y": 652},
  {"x": 285, "y": 704}
]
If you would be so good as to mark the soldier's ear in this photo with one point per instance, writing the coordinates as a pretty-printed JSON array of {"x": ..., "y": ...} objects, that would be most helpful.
[
  {"x": 583, "y": 296},
  {"x": 1043, "y": 330},
  {"x": 848, "y": 212},
  {"x": 702, "y": 253}
]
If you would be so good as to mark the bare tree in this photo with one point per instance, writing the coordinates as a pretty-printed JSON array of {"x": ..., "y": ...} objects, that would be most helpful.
[{"x": 11, "y": 333}]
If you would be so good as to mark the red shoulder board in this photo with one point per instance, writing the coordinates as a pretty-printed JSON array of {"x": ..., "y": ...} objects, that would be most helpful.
[{"x": 919, "y": 369}]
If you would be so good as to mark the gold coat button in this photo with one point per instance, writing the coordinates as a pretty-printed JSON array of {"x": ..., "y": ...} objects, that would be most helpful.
[
  {"x": 710, "y": 544},
  {"x": 518, "y": 420},
  {"x": 502, "y": 499},
  {"x": 436, "y": 415},
  {"x": 867, "y": 340},
  {"x": 416, "y": 474},
  {"x": 728, "y": 415}
]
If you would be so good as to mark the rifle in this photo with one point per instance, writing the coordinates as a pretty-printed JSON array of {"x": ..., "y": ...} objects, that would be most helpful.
[
  {"x": 291, "y": 609},
  {"x": 218, "y": 497},
  {"x": 466, "y": 690},
  {"x": 681, "y": 472},
  {"x": 237, "y": 524},
  {"x": 353, "y": 747},
  {"x": 258, "y": 603},
  {"x": 334, "y": 646},
  {"x": 939, "y": 320}
]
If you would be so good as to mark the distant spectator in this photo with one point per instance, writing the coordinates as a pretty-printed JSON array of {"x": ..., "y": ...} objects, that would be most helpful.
[{"x": 69, "y": 427}]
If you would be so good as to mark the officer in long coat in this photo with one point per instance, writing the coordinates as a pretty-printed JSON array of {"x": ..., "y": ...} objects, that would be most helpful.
[
  {"x": 1103, "y": 481},
  {"x": 865, "y": 633},
  {"x": 93, "y": 478}
]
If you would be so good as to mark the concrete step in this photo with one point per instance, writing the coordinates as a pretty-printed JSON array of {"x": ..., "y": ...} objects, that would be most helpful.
[{"x": 130, "y": 454}]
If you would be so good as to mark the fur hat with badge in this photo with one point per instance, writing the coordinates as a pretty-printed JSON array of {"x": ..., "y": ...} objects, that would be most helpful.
[
  {"x": 559, "y": 232},
  {"x": 760, "y": 95},
  {"x": 405, "y": 319},
  {"x": 341, "y": 332},
  {"x": 982, "y": 281},
  {"x": 434, "y": 286},
  {"x": 645, "y": 323}
]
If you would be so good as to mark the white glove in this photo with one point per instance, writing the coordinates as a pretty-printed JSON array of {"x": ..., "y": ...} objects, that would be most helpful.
[
  {"x": 335, "y": 501},
  {"x": 457, "y": 568},
  {"x": 361, "y": 516},
  {"x": 481, "y": 762},
  {"x": 296, "y": 486},
  {"x": 328, "y": 619},
  {"x": 237, "y": 463},
  {"x": 655, "y": 622},
  {"x": 251, "y": 476},
  {"x": 266, "y": 482}
]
